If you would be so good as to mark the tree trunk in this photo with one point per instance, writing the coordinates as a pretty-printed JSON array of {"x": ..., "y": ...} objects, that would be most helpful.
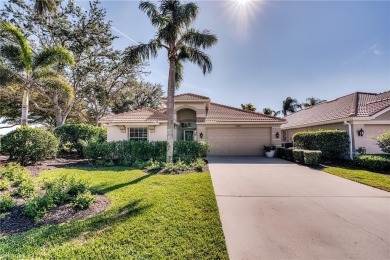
[
  {"x": 58, "y": 112},
  {"x": 25, "y": 101},
  {"x": 170, "y": 108}
]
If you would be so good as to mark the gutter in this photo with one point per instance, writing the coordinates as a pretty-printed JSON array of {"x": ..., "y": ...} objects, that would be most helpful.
[{"x": 350, "y": 139}]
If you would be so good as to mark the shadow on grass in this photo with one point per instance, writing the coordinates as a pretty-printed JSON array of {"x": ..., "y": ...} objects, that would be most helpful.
[
  {"x": 101, "y": 189},
  {"x": 15, "y": 246}
]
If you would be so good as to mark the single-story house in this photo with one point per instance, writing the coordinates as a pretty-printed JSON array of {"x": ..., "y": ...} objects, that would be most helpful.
[
  {"x": 363, "y": 115},
  {"x": 229, "y": 130}
]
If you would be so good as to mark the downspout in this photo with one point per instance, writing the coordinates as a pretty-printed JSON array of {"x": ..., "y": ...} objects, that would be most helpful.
[{"x": 350, "y": 139}]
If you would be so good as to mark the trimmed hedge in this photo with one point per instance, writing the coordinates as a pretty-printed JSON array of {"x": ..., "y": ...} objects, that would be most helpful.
[
  {"x": 27, "y": 144},
  {"x": 73, "y": 137},
  {"x": 377, "y": 162},
  {"x": 312, "y": 157},
  {"x": 285, "y": 153},
  {"x": 131, "y": 153},
  {"x": 299, "y": 155},
  {"x": 332, "y": 143}
]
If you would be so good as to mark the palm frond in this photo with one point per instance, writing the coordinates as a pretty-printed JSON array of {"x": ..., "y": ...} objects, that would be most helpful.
[
  {"x": 12, "y": 55},
  {"x": 53, "y": 56},
  {"x": 141, "y": 52},
  {"x": 152, "y": 12},
  {"x": 9, "y": 77},
  {"x": 45, "y": 73},
  {"x": 189, "y": 12},
  {"x": 178, "y": 74},
  {"x": 14, "y": 33},
  {"x": 41, "y": 7},
  {"x": 197, "y": 57},
  {"x": 198, "y": 39}
]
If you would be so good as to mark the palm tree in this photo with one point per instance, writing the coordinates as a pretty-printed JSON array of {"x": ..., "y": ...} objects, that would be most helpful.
[
  {"x": 42, "y": 7},
  {"x": 20, "y": 66},
  {"x": 290, "y": 105},
  {"x": 270, "y": 112},
  {"x": 312, "y": 101},
  {"x": 182, "y": 43},
  {"x": 248, "y": 106}
]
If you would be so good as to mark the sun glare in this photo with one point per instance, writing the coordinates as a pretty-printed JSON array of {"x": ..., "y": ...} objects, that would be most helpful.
[{"x": 243, "y": 13}]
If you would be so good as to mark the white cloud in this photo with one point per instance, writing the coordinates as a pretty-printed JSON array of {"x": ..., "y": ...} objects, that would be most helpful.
[{"x": 375, "y": 49}]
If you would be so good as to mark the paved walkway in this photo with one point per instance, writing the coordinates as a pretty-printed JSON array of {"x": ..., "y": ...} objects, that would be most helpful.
[{"x": 273, "y": 209}]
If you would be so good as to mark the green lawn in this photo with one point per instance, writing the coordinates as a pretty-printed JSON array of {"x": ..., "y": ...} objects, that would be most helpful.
[
  {"x": 376, "y": 180},
  {"x": 150, "y": 217}
]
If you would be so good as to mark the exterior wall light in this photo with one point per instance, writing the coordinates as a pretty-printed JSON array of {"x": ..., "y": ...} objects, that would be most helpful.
[
  {"x": 360, "y": 132},
  {"x": 277, "y": 135},
  {"x": 201, "y": 135}
]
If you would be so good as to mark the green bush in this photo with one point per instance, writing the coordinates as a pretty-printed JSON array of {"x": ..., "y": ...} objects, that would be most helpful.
[
  {"x": 332, "y": 143},
  {"x": 154, "y": 165},
  {"x": 13, "y": 172},
  {"x": 379, "y": 162},
  {"x": 312, "y": 157},
  {"x": 38, "y": 207},
  {"x": 28, "y": 144},
  {"x": 6, "y": 203},
  {"x": 4, "y": 184},
  {"x": 176, "y": 167},
  {"x": 198, "y": 165},
  {"x": 288, "y": 154},
  {"x": 73, "y": 137},
  {"x": 298, "y": 155},
  {"x": 83, "y": 200},
  {"x": 26, "y": 188},
  {"x": 281, "y": 152},
  {"x": 132, "y": 153},
  {"x": 384, "y": 142}
]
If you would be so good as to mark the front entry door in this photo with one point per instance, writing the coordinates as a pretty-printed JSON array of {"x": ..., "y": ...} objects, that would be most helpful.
[{"x": 188, "y": 135}]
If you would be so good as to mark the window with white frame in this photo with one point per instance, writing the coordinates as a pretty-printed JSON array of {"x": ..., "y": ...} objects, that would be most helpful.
[{"x": 138, "y": 134}]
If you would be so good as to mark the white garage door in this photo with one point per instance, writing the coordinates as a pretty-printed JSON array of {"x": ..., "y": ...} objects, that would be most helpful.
[
  {"x": 238, "y": 140},
  {"x": 372, "y": 131}
]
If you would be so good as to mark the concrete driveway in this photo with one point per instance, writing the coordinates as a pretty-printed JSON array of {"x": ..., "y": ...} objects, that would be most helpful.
[{"x": 274, "y": 209}]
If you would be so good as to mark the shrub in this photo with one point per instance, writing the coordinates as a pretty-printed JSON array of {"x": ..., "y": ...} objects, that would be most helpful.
[
  {"x": 13, "y": 172},
  {"x": 64, "y": 189},
  {"x": 384, "y": 142},
  {"x": 73, "y": 137},
  {"x": 281, "y": 152},
  {"x": 28, "y": 144},
  {"x": 154, "y": 165},
  {"x": 269, "y": 148},
  {"x": 288, "y": 154},
  {"x": 379, "y": 162},
  {"x": 6, "y": 203},
  {"x": 312, "y": 157},
  {"x": 298, "y": 155},
  {"x": 25, "y": 189},
  {"x": 132, "y": 153},
  {"x": 83, "y": 200},
  {"x": 4, "y": 184},
  {"x": 198, "y": 165},
  {"x": 38, "y": 207},
  {"x": 175, "y": 167},
  {"x": 332, "y": 143}
]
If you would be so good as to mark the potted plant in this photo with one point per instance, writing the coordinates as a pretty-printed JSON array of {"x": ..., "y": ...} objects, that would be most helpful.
[{"x": 269, "y": 150}]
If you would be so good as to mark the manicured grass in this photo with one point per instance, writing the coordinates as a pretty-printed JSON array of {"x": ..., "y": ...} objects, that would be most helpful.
[
  {"x": 376, "y": 180},
  {"x": 150, "y": 217}
]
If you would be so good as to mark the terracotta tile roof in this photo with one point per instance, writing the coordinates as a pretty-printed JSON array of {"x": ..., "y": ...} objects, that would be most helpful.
[
  {"x": 222, "y": 113},
  {"x": 189, "y": 96},
  {"x": 146, "y": 115},
  {"x": 357, "y": 104},
  {"x": 215, "y": 113}
]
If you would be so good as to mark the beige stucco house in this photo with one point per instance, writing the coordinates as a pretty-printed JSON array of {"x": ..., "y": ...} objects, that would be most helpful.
[
  {"x": 229, "y": 130},
  {"x": 363, "y": 115}
]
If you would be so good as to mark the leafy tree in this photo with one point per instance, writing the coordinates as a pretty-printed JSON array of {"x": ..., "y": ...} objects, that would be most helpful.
[
  {"x": 290, "y": 105},
  {"x": 182, "y": 43},
  {"x": 31, "y": 70},
  {"x": 248, "y": 106},
  {"x": 312, "y": 101},
  {"x": 383, "y": 141},
  {"x": 270, "y": 112},
  {"x": 89, "y": 37}
]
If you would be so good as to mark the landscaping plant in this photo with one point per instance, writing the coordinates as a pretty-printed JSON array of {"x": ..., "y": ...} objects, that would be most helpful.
[
  {"x": 384, "y": 141},
  {"x": 377, "y": 162},
  {"x": 312, "y": 157},
  {"x": 29, "y": 145},
  {"x": 298, "y": 155},
  {"x": 6, "y": 203}
]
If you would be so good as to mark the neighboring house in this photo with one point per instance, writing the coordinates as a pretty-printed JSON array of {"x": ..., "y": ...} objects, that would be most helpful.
[
  {"x": 367, "y": 113},
  {"x": 229, "y": 130}
]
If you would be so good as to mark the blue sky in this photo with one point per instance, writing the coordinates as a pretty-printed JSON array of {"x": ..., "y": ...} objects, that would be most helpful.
[{"x": 324, "y": 49}]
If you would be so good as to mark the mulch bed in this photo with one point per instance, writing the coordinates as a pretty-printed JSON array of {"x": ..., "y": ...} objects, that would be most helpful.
[{"x": 14, "y": 221}]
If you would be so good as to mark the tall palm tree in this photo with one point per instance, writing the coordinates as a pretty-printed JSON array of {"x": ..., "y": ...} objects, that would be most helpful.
[
  {"x": 174, "y": 34},
  {"x": 42, "y": 7},
  {"x": 290, "y": 105},
  {"x": 20, "y": 66},
  {"x": 270, "y": 112},
  {"x": 312, "y": 101},
  {"x": 248, "y": 106}
]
